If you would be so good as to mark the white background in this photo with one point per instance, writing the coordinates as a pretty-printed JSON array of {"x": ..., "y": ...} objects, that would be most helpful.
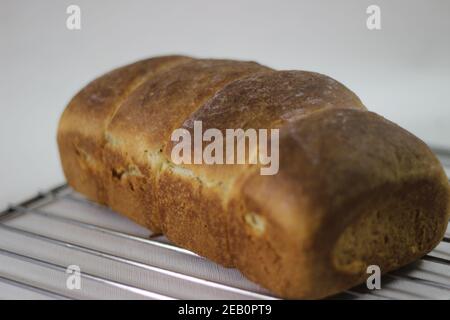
[{"x": 401, "y": 71}]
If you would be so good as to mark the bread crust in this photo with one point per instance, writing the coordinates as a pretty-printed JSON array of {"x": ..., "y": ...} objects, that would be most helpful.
[
  {"x": 348, "y": 178},
  {"x": 352, "y": 172}
]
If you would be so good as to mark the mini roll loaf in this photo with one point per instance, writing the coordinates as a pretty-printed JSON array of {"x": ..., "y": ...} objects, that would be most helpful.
[{"x": 353, "y": 189}]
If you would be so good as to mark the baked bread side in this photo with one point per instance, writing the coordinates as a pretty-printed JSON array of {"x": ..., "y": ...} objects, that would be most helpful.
[
  {"x": 81, "y": 132},
  {"x": 353, "y": 188},
  {"x": 137, "y": 137}
]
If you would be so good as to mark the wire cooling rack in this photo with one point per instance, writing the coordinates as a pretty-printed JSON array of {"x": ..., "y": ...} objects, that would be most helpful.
[{"x": 43, "y": 240}]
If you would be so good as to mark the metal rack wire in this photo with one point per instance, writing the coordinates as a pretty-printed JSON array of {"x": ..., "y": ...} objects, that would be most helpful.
[{"x": 40, "y": 238}]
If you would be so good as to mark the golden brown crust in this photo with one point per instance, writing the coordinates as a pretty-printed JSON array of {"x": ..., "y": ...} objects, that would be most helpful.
[
  {"x": 338, "y": 167},
  {"x": 351, "y": 184},
  {"x": 142, "y": 127},
  {"x": 81, "y": 132},
  {"x": 266, "y": 100}
]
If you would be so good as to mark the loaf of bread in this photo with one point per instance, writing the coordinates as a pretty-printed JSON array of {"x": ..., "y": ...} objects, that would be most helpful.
[{"x": 353, "y": 189}]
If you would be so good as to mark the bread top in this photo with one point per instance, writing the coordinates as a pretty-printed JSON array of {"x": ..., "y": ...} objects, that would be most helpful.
[
  {"x": 223, "y": 94},
  {"x": 90, "y": 110},
  {"x": 265, "y": 101},
  {"x": 147, "y": 118}
]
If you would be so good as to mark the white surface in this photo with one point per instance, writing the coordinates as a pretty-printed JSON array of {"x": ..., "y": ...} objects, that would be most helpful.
[{"x": 401, "y": 71}]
